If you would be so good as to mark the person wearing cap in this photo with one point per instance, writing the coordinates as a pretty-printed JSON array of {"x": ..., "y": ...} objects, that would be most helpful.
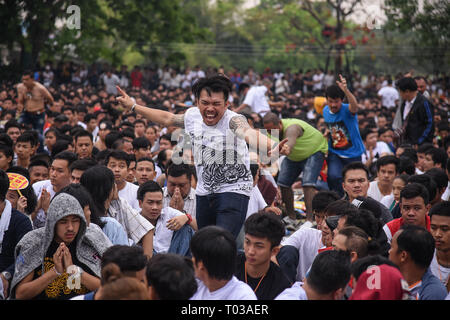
[
  {"x": 219, "y": 142},
  {"x": 412, "y": 251},
  {"x": 378, "y": 278}
]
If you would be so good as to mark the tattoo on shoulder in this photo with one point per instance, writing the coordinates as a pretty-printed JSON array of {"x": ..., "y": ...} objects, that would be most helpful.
[
  {"x": 238, "y": 122},
  {"x": 178, "y": 120}
]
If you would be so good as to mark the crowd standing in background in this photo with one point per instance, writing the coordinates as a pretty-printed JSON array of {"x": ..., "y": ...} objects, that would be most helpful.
[{"x": 134, "y": 191}]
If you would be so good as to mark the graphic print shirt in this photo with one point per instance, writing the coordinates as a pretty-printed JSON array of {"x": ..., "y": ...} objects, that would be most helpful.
[
  {"x": 344, "y": 138},
  {"x": 221, "y": 158}
]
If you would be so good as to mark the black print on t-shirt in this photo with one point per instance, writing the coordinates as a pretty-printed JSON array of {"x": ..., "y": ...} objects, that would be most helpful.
[{"x": 222, "y": 167}]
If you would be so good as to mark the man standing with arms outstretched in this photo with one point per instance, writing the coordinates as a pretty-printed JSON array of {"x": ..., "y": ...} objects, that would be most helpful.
[{"x": 221, "y": 156}]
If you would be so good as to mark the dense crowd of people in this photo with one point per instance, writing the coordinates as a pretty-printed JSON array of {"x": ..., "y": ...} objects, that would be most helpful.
[{"x": 159, "y": 183}]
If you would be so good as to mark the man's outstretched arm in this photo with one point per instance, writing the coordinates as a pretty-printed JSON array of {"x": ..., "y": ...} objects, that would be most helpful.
[{"x": 154, "y": 115}]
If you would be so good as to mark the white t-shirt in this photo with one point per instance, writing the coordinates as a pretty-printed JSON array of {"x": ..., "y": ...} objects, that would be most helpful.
[
  {"x": 296, "y": 292},
  {"x": 388, "y": 96},
  {"x": 308, "y": 241},
  {"x": 221, "y": 159},
  {"x": 256, "y": 202},
  {"x": 380, "y": 150},
  {"x": 318, "y": 77},
  {"x": 129, "y": 193},
  {"x": 163, "y": 235},
  {"x": 375, "y": 193},
  {"x": 387, "y": 200},
  {"x": 257, "y": 100},
  {"x": 111, "y": 83},
  {"x": 233, "y": 290},
  {"x": 446, "y": 194},
  {"x": 440, "y": 272}
]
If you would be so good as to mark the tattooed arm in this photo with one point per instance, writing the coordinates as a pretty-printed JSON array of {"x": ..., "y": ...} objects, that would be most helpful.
[
  {"x": 256, "y": 140},
  {"x": 154, "y": 115}
]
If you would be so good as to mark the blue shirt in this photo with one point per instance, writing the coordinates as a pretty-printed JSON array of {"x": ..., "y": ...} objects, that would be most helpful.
[
  {"x": 430, "y": 288},
  {"x": 344, "y": 138},
  {"x": 115, "y": 231}
]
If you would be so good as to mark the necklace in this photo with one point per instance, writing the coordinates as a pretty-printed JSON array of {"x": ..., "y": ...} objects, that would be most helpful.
[{"x": 245, "y": 270}]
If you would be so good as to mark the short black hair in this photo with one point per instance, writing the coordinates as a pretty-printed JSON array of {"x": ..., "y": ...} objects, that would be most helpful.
[
  {"x": 172, "y": 276},
  {"x": 28, "y": 136},
  {"x": 82, "y": 133},
  {"x": 439, "y": 176},
  {"x": 69, "y": 156},
  {"x": 418, "y": 242},
  {"x": 357, "y": 165},
  {"x": 440, "y": 209},
  {"x": 38, "y": 163},
  {"x": 330, "y": 271},
  {"x": 407, "y": 84},
  {"x": 127, "y": 258},
  {"x": 323, "y": 198},
  {"x": 334, "y": 92},
  {"x": 438, "y": 156},
  {"x": 265, "y": 225},
  {"x": 82, "y": 164},
  {"x": 141, "y": 142},
  {"x": 215, "y": 83},
  {"x": 424, "y": 147},
  {"x": 412, "y": 190},
  {"x": 119, "y": 155},
  {"x": 146, "y": 159},
  {"x": 148, "y": 186},
  {"x": 428, "y": 182},
  {"x": 216, "y": 248},
  {"x": 339, "y": 207},
  {"x": 177, "y": 170},
  {"x": 406, "y": 165},
  {"x": 389, "y": 159},
  {"x": 4, "y": 184}
]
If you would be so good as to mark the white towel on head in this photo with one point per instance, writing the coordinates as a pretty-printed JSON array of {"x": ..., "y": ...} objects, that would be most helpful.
[{"x": 5, "y": 218}]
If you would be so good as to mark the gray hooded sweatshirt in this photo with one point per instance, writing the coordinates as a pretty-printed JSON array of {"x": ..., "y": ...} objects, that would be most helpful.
[{"x": 30, "y": 252}]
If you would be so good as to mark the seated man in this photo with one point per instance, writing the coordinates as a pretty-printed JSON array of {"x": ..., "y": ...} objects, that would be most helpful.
[
  {"x": 263, "y": 234},
  {"x": 214, "y": 255},
  {"x": 173, "y": 228},
  {"x": 327, "y": 279}
]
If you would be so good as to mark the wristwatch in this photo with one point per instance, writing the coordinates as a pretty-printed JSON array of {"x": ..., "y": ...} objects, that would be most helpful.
[{"x": 6, "y": 275}]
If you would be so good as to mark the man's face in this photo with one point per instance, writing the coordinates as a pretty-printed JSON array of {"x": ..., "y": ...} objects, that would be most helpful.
[
  {"x": 70, "y": 115},
  {"x": 151, "y": 205},
  {"x": 327, "y": 234},
  {"x": 381, "y": 122},
  {"x": 143, "y": 152},
  {"x": 92, "y": 124},
  {"x": 38, "y": 173},
  {"x": 339, "y": 242},
  {"x": 386, "y": 174},
  {"x": 139, "y": 129},
  {"x": 212, "y": 107},
  {"x": 13, "y": 133},
  {"x": 334, "y": 104},
  {"x": 8, "y": 105},
  {"x": 50, "y": 139},
  {"x": 119, "y": 168},
  {"x": 257, "y": 250},
  {"x": 67, "y": 228},
  {"x": 144, "y": 172},
  {"x": 428, "y": 162},
  {"x": 150, "y": 134},
  {"x": 356, "y": 183},
  {"x": 319, "y": 217},
  {"x": 394, "y": 255},
  {"x": 371, "y": 140},
  {"x": 60, "y": 174},
  {"x": 387, "y": 136},
  {"x": 131, "y": 172},
  {"x": 76, "y": 176},
  {"x": 27, "y": 81},
  {"x": 127, "y": 147},
  {"x": 103, "y": 131},
  {"x": 420, "y": 160},
  {"x": 182, "y": 182},
  {"x": 421, "y": 85},
  {"x": 414, "y": 211},
  {"x": 83, "y": 147},
  {"x": 440, "y": 229},
  {"x": 4, "y": 161},
  {"x": 164, "y": 144}
]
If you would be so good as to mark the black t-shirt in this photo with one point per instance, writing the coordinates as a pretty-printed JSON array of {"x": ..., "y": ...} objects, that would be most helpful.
[
  {"x": 271, "y": 286},
  {"x": 58, "y": 290}
]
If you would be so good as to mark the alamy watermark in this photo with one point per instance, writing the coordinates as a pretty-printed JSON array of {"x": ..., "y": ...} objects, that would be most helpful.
[{"x": 74, "y": 20}]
